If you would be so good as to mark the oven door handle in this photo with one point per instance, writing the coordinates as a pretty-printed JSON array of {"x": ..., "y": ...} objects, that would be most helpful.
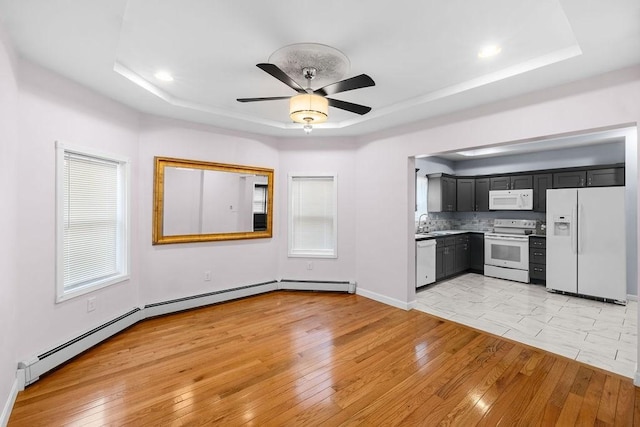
[{"x": 513, "y": 239}]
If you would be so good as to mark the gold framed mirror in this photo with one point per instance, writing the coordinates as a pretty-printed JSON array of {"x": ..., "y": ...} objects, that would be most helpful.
[{"x": 198, "y": 201}]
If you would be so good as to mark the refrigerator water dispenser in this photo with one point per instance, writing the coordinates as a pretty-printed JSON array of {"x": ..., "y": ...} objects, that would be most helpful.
[{"x": 561, "y": 225}]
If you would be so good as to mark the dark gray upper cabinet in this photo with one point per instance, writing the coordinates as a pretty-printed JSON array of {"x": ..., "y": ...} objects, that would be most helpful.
[
  {"x": 441, "y": 195},
  {"x": 466, "y": 195},
  {"x": 605, "y": 177},
  {"x": 450, "y": 194},
  {"x": 569, "y": 179},
  {"x": 469, "y": 194},
  {"x": 541, "y": 183},
  {"x": 482, "y": 195},
  {"x": 500, "y": 183},
  {"x": 513, "y": 182},
  {"x": 521, "y": 182}
]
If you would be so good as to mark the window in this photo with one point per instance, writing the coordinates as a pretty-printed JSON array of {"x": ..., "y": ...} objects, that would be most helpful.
[
  {"x": 260, "y": 198},
  {"x": 92, "y": 238},
  {"x": 313, "y": 216},
  {"x": 422, "y": 185}
]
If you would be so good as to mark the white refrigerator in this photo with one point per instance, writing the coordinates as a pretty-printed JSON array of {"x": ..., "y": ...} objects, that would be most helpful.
[{"x": 586, "y": 252}]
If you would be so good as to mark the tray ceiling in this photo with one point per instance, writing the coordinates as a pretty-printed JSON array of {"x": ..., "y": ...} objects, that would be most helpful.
[{"x": 422, "y": 55}]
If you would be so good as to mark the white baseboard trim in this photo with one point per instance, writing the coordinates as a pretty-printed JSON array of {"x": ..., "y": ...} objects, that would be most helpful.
[
  {"x": 383, "y": 299},
  {"x": 412, "y": 304},
  {"x": 636, "y": 377},
  {"x": 11, "y": 399},
  {"x": 632, "y": 297}
]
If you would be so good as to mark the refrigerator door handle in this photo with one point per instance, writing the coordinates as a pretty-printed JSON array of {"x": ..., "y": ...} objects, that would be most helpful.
[
  {"x": 580, "y": 238},
  {"x": 574, "y": 236}
]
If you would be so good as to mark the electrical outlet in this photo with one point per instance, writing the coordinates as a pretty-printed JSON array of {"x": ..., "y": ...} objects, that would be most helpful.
[
  {"x": 91, "y": 304},
  {"x": 207, "y": 276},
  {"x": 310, "y": 265}
]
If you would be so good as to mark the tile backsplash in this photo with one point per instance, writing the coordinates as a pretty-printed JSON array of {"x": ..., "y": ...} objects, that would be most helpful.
[{"x": 481, "y": 221}]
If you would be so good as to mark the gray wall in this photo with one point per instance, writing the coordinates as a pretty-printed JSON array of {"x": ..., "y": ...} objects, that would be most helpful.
[
  {"x": 428, "y": 165},
  {"x": 597, "y": 154}
]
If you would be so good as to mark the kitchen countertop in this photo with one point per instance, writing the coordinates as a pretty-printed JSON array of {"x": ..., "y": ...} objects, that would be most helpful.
[{"x": 445, "y": 233}]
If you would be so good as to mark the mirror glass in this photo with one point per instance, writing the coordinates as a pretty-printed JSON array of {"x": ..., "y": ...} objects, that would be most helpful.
[{"x": 196, "y": 201}]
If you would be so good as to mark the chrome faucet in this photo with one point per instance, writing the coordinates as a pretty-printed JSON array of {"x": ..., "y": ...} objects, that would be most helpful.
[{"x": 421, "y": 226}]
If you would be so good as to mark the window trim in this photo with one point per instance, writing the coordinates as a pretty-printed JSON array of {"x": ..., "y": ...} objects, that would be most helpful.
[
  {"x": 310, "y": 253},
  {"x": 125, "y": 247}
]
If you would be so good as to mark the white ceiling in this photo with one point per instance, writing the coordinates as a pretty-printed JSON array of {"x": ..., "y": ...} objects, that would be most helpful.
[{"x": 421, "y": 54}]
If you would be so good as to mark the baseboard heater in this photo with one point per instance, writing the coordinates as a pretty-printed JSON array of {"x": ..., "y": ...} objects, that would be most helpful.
[
  {"x": 32, "y": 369},
  {"x": 313, "y": 285},
  {"x": 186, "y": 303},
  {"x": 29, "y": 371}
]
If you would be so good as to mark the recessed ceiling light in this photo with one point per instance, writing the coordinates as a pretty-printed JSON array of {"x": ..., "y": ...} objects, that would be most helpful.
[
  {"x": 164, "y": 76},
  {"x": 488, "y": 51}
]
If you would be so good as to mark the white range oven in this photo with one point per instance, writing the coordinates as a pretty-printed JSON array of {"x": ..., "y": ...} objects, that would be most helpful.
[{"x": 506, "y": 250}]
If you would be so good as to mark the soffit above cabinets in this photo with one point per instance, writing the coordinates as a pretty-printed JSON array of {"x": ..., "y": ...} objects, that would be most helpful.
[
  {"x": 599, "y": 138},
  {"x": 422, "y": 55}
]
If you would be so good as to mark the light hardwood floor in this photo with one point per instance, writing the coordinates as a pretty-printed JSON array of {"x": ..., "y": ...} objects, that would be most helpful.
[{"x": 298, "y": 358}]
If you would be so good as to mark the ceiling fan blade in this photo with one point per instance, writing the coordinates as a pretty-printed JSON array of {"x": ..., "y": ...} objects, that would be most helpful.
[
  {"x": 272, "y": 98},
  {"x": 349, "y": 106},
  {"x": 356, "y": 82},
  {"x": 276, "y": 72}
]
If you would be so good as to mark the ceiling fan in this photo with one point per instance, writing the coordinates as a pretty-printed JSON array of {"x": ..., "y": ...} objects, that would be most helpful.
[{"x": 310, "y": 106}]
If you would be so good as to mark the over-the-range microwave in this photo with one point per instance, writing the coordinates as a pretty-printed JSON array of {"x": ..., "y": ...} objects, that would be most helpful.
[{"x": 511, "y": 200}]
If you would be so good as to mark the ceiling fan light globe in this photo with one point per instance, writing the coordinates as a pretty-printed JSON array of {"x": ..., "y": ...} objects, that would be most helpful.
[
  {"x": 308, "y": 108},
  {"x": 307, "y": 128}
]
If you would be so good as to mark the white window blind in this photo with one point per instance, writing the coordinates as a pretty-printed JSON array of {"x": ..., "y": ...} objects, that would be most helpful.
[
  {"x": 260, "y": 199},
  {"x": 313, "y": 216},
  {"x": 92, "y": 223}
]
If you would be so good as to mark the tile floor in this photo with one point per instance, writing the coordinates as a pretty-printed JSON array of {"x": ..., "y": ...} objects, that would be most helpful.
[{"x": 597, "y": 333}]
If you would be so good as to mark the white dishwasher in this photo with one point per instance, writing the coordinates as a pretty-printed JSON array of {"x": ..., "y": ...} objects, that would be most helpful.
[{"x": 425, "y": 262}]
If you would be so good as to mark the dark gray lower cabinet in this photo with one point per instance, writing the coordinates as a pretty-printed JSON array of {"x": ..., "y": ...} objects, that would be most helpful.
[
  {"x": 463, "y": 253},
  {"x": 445, "y": 257},
  {"x": 440, "y": 261},
  {"x": 459, "y": 253},
  {"x": 453, "y": 255},
  {"x": 476, "y": 247},
  {"x": 537, "y": 259}
]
